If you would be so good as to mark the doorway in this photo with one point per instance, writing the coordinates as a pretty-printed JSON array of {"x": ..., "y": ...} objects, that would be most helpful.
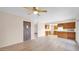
[
  {"x": 26, "y": 30},
  {"x": 36, "y": 31}
]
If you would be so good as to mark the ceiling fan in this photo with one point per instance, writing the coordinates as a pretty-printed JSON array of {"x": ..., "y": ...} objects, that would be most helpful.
[{"x": 36, "y": 10}]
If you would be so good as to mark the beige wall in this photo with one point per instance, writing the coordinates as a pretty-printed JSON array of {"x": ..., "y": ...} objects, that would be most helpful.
[
  {"x": 41, "y": 29},
  {"x": 77, "y": 31},
  {"x": 11, "y": 29}
]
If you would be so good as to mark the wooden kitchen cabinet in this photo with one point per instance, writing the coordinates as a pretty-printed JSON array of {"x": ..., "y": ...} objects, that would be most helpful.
[
  {"x": 67, "y": 35},
  {"x": 70, "y": 25},
  {"x": 71, "y": 35},
  {"x": 62, "y": 34},
  {"x": 47, "y": 33},
  {"x": 60, "y": 25}
]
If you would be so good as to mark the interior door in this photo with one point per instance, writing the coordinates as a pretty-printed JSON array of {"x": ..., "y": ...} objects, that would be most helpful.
[{"x": 27, "y": 30}]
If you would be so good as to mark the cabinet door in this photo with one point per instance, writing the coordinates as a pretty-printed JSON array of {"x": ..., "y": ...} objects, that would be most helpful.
[
  {"x": 60, "y": 25},
  {"x": 70, "y": 25},
  {"x": 71, "y": 35},
  {"x": 62, "y": 34},
  {"x": 47, "y": 33}
]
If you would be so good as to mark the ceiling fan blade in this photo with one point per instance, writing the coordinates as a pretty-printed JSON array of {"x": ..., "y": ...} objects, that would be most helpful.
[
  {"x": 34, "y": 9},
  {"x": 43, "y": 11}
]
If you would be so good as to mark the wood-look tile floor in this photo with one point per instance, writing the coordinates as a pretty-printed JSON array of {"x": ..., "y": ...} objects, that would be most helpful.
[{"x": 44, "y": 44}]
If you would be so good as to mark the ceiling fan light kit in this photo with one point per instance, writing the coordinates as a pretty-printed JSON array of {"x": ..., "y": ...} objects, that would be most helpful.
[{"x": 35, "y": 12}]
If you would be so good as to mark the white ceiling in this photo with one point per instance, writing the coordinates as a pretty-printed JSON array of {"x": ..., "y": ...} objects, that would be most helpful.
[{"x": 54, "y": 13}]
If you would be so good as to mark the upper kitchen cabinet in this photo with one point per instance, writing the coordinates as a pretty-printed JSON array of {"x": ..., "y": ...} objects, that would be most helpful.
[
  {"x": 47, "y": 26},
  {"x": 60, "y": 25},
  {"x": 70, "y": 25}
]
